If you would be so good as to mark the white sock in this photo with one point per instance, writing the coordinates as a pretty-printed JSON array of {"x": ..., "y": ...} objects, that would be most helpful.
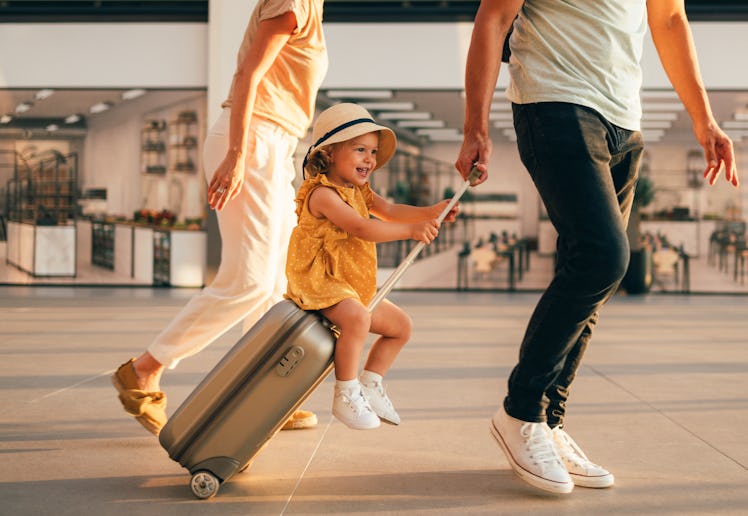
[
  {"x": 347, "y": 385},
  {"x": 369, "y": 378}
]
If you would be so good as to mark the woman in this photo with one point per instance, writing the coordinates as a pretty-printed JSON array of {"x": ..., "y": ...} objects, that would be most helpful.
[{"x": 248, "y": 157}]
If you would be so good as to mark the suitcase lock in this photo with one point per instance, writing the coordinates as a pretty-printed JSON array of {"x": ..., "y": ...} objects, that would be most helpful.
[{"x": 289, "y": 361}]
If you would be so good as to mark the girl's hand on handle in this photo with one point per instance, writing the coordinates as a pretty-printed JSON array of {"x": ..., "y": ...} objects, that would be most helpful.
[
  {"x": 441, "y": 206},
  {"x": 226, "y": 182},
  {"x": 425, "y": 231}
]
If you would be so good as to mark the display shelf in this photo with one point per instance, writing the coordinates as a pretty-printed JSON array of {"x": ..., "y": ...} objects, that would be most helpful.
[
  {"x": 161, "y": 257},
  {"x": 153, "y": 147},
  {"x": 44, "y": 192},
  {"x": 183, "y": 143},
  {"x": 102, "y": 244}
]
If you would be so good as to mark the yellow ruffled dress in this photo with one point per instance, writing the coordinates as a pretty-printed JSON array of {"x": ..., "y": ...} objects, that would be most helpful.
[{"x": 325, "y": 264}]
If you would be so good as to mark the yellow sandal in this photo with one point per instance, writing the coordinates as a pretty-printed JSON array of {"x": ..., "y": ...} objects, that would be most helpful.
[{"x": 149, "y": 408}]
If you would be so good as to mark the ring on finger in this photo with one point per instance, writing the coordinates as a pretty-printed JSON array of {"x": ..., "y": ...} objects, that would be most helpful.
[{"x": 220, "y": 190}]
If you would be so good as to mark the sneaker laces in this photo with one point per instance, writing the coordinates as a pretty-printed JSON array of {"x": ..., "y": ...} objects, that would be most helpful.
[
  {"x": 355, "y": 400},
  {"x": 382, "y": 392},
  {"x": 539, "y": 443},
  {"x": 569, "y": 450}
]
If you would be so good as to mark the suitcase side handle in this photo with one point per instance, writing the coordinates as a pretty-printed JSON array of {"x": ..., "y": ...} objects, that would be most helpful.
[{"x": 397, "y": 273}]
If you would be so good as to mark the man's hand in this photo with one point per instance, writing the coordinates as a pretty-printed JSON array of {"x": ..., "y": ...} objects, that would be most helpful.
[{"x": 718, "y": 151}]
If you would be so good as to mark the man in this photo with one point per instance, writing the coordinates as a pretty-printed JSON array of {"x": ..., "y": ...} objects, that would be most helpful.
[{"x": 575, "y": 81}]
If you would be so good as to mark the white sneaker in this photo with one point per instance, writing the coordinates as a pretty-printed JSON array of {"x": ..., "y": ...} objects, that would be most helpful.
[
  {"x": 381, "y": 405},
  {"x": 531, "y": 453},
  {"x": 352, "y": 409},
  {"x": 582, "y": 471}
]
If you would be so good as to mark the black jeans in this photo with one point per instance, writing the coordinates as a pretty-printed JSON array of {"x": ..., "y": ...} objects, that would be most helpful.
[{"x": 585, "y": 170}]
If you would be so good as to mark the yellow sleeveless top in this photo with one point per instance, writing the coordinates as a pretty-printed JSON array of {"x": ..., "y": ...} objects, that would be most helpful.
[{"x": 325, "y": 264}]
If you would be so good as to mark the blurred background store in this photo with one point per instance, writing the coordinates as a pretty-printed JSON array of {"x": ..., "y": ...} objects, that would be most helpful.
[{"x": 104, "y": 106}]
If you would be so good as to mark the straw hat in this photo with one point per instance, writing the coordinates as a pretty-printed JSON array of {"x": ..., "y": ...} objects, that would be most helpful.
[{"x": 342, "y": 122}]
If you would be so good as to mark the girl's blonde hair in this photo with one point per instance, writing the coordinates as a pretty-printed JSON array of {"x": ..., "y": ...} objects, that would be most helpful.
[{"x": 318, "y": 161}]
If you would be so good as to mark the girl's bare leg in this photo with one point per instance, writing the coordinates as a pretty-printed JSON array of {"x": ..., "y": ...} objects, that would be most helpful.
[
  {"x": 394, "y": 326},
  {"x": 353, "y": 321}
]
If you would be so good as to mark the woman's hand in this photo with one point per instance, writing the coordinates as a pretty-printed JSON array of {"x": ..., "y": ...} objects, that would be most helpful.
[{"x": 226, "y": 182}]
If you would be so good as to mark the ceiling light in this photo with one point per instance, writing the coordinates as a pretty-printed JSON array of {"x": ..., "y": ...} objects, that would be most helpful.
[
  {"x": 421, "y": 123},
  {"x": 360, "y": 94},
  {"x": 24, "y": 106},
  {"x": 498, "y": 95},
  {"x": 662, "y": 106},
  {"x": 500, "y": 116},
  {"x": 660, "y": 95},
  {"x": 429, "y": 132},
  {"x": 660, "y": 116},
  {"x": 653, "y": 135},
  {"x": 133, "y": 94},
  {"x": 447, "y": 137},
  {"x": 100, "y": 107},
  {"x": 71, "y": 119},
  {"x": 503, "y": 124},
  {"x": 656, "y": 124},
  {"x": 735, "y": 124},
  {"x": 52, "y": 128},
  {"x": 411, "y": 115},
  {"x": 5, "y": 119},
  {"x": 741, "y": 115},
  {"x": 387, "y": 106},
  {"x": 44, "y": 94},
  {"x": 501, "y": 106}
]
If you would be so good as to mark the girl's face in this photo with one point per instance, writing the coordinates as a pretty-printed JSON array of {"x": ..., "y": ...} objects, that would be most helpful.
[{"x": 353, "y": 160}]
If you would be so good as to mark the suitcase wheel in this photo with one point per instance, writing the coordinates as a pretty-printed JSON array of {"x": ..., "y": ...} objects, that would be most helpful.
[{"x": 204, "y": 484}]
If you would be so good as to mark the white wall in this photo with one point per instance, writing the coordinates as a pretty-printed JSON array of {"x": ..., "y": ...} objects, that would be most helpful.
[
  {"x": 103, "y": 55},
  {"x": 398, "y": 55}
]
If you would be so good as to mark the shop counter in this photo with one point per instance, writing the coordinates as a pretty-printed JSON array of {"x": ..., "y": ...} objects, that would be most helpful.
[
  {"x": 151, "y": 255},
  {"x": 42, "y": 250}
]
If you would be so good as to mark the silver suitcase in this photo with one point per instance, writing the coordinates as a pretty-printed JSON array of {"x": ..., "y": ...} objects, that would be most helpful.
[{"x": 233, "y": 413}]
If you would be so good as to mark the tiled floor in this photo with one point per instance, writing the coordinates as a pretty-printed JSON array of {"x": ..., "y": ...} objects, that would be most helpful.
[{"x": 660, "y": 400}]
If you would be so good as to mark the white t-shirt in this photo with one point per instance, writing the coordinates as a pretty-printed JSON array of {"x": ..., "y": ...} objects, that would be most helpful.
[{"x": 584, "y": 52}]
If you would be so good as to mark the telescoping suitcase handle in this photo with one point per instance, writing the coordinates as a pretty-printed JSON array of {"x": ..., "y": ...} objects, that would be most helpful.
[{"x": 397, "y": 274}]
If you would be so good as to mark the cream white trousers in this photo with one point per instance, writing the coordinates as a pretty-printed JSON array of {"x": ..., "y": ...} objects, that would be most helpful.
[{"x": 255, "y": 228}]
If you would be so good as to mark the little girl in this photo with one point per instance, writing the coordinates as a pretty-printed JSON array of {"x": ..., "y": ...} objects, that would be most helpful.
[{"x": 332, "y": 260}]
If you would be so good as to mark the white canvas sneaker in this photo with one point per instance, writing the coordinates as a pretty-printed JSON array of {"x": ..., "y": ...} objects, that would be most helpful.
[
  {"x": 376, "y": 395},
  {"x": 352, "y": 409},
  {"x": 582, "y": 471},
  {"x": 531, "y": 453}
]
